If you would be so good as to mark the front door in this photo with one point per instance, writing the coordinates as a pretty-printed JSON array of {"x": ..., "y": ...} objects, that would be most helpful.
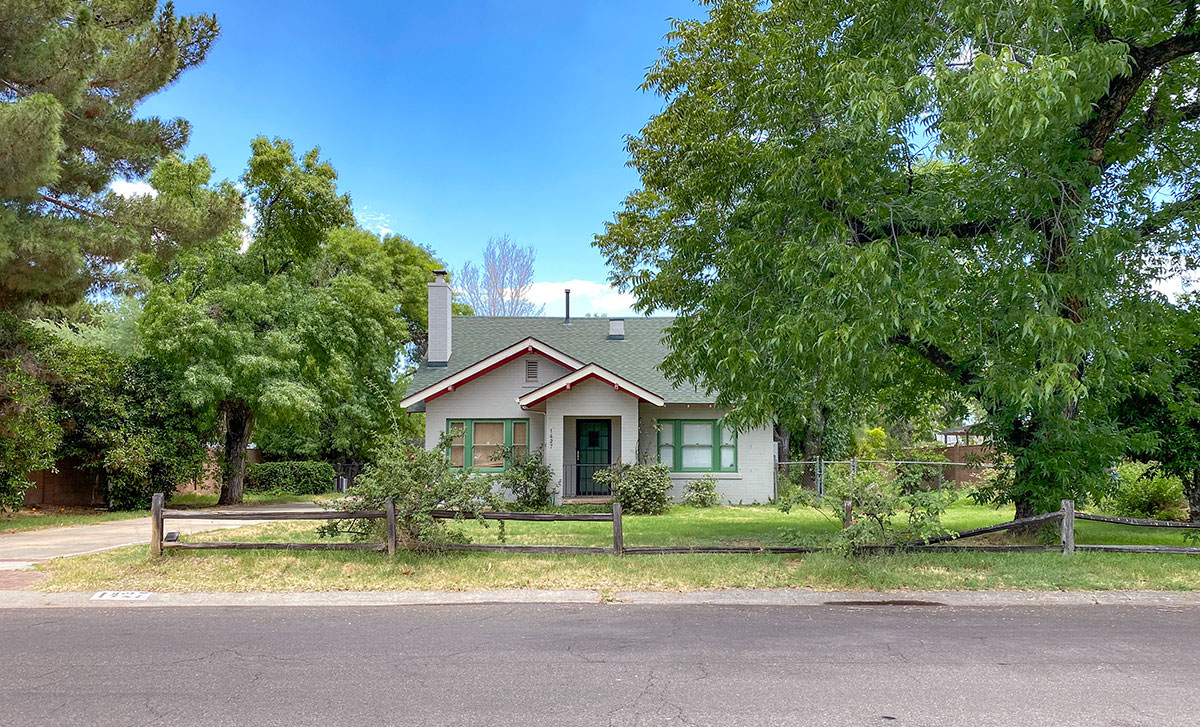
[{"x": 593, "y": 452}]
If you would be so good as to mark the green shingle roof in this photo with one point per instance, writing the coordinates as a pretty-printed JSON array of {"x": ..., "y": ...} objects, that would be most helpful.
[{"x": 635, "y": 358}]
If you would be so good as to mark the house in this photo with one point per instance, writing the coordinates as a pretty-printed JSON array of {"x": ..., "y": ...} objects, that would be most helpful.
[{"x": 587, "y": 391}]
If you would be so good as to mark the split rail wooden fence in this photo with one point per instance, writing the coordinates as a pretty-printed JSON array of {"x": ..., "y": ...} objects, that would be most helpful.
[{"x": 1066, "y": 516}]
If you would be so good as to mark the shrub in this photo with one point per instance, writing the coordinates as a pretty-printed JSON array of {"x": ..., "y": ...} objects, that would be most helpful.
[
  {"x": 642, "y": 489},
  {"x": 701, "y": 492},
  {"x": 527, "y": 479},
  {"x": 881, "y": 513},
  {"x": 1142, "y": 490},
  {"x": 290, "y": 478},
  {"x": 417, "y": 481}
]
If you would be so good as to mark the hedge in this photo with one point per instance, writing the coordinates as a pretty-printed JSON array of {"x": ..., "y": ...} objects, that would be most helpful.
[{"x": 290, "y": 478}]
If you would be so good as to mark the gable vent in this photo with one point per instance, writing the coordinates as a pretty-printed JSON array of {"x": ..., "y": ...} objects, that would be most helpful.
[{"x": 531, "y": 371}]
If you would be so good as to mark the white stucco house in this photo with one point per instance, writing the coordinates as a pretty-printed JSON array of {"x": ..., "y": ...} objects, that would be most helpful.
[{"x": 587, "y": 391}]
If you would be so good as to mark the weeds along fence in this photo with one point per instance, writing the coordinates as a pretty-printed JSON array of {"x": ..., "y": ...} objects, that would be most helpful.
[{"x": 1065, "y": 516}]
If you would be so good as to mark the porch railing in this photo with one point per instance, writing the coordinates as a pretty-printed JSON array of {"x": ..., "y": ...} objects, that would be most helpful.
[{"x": 585, "y": 484}]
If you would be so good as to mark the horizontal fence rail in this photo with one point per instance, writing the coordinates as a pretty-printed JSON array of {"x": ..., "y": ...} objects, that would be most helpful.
[
  {"x": 158, "y": 542},
  {"x": 1066, "y": 516},
  {"x": 1135, "y": 521}
]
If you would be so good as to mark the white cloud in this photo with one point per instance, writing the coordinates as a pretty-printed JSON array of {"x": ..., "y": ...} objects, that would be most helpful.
[
  {"x": 129, "y": 190},
  {"x": 378, "y": 222},
  {"x": 587, "y": 296}
]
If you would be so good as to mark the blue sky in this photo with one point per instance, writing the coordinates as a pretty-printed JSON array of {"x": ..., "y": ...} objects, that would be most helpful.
[{"x": 448, "y": 122}]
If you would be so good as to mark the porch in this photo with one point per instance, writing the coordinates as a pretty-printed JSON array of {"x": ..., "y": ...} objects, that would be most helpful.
[{"x": 590, "y": 424}]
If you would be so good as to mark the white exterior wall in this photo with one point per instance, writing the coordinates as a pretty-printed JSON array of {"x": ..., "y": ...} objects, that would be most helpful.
[
  {"x": 754, "y": 480},
  {"x": 588, "y": 400},
  {"x": 492, "y": 396}
]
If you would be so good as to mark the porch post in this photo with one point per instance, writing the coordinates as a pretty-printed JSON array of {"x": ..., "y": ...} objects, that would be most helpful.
[{"x": 553, "y": 437}]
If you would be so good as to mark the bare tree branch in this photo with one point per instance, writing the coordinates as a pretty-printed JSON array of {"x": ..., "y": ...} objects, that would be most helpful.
[{"x": 501, "y": 287}]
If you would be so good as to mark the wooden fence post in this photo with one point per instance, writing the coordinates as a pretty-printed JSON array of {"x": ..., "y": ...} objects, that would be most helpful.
[
  {"x": 618, "y": 529},
  {"x": 156, "y": 524},
  {"x": 1067, "y": 527},
  {"x": 847, "y": 512},
  {"x": 390, "y": 507}
]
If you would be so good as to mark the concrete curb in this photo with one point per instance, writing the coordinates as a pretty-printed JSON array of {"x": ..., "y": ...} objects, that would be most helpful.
[{"x": 789, "y": 597}]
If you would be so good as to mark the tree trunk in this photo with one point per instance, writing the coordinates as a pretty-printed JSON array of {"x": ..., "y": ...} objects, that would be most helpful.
[
  {"x": 239, "y": 423},
  {"x": 1191, "y": 490},
  {"x": 814, "y": 445},
  {"x": 783, "y": 448}
]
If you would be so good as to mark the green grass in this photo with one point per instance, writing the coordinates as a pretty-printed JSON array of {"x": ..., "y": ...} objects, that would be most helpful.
[{"x": 132, "y": 568}]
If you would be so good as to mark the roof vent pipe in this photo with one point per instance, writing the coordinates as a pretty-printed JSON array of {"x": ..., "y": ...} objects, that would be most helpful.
[{"x": 567, "y": 319}]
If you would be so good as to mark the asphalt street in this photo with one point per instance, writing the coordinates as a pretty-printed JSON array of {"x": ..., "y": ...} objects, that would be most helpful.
[{"x": 601, "y": 664}]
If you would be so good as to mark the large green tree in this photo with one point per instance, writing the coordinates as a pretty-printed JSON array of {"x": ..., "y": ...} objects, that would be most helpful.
[
  {"x": 71, "y": 76},
  {"x": 936, "y": 196},
  {"x": 275, "y": 328},
  {"x": 362, "y": 385}
]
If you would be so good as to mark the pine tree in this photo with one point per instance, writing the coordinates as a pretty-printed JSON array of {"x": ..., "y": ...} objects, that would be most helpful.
[{"x": 71, "y": 76}]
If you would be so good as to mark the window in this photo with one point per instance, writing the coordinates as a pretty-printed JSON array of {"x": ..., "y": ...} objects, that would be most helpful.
[
  {"x": 482, "y": 439},
  {"x": 696, "y": 445},
  {"x": 531, "y": 371}
]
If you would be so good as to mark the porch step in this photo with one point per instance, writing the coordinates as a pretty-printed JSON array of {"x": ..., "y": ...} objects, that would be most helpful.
[{"x": 589, "y": 500}]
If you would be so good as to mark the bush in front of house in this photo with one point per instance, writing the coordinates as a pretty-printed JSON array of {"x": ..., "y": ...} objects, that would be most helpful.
[
  {"x": 526, "y": 479},
  {"x": 701, "y": 492},
  {"x": 290, "y": 478},
  {"x": 642, "y": 489},
  {"x": 417, "y": 481}
]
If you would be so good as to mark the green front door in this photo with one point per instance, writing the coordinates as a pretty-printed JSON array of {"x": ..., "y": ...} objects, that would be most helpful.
[{"x": 593, "y": 452}]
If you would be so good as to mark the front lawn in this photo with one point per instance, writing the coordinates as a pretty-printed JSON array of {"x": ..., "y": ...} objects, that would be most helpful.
[{"x": 132, "y": 568}]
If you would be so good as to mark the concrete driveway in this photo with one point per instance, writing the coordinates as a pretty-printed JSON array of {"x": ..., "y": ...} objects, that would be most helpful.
[{"x": 22, "y": 550}]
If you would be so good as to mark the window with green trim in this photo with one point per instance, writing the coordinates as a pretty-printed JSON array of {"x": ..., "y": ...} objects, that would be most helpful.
[
  {"x": 481, "y": 441},
  {"x": 696, "y": 445}
]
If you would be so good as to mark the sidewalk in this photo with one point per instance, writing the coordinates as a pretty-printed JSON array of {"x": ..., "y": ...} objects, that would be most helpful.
[
  {"x": 21, "y": 550},
  {"x": 784, "y": 597}
]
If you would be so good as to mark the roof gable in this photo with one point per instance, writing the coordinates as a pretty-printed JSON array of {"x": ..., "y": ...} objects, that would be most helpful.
[
  {"x": 485, "y": 366},
  {"x": 578, "y": 376}
]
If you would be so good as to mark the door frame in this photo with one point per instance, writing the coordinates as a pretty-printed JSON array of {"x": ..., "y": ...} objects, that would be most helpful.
[{"x": 607, "y": 422}]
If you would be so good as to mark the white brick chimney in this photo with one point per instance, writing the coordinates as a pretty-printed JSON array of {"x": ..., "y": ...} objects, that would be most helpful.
[{"x": 440, "y": 299}]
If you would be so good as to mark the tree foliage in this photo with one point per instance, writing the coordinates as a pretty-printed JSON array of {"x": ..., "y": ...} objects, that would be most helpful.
[
  {"x": 29, "y": 433},
  {"x": 929, "y": 198},
  {"x": 360, "y": 389},
  {"x": 71, "y": 76},
  {"x": 127, "y": 419},
  {"x": 256, "y": 330}
]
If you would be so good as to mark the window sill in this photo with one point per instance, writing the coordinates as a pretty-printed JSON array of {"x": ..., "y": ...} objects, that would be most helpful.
[{"x": 715, "y": 475}]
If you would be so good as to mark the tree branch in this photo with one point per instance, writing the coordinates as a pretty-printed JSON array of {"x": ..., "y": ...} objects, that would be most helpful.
[
  {"x": 961, "y": 373},
  {"x": 1112, "y": 105},
  {"x": 1168, "y": 214}
]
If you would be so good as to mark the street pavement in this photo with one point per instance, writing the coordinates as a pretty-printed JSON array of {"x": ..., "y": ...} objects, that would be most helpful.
[
  {"x": 23, "y": 549},
  {"x": 601, "y": 664}
]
